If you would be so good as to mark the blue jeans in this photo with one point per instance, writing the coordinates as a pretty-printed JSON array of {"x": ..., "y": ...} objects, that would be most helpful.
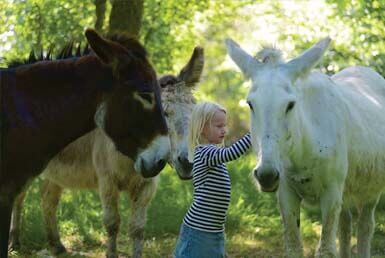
[{"x": 193, "y": 243}]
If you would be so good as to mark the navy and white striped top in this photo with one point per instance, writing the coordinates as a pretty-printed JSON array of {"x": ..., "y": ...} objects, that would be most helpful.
[{"x": 212, "y": 185}]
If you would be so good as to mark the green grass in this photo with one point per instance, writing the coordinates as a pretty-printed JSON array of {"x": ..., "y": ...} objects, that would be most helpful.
[{"x": 253, "y": 227}]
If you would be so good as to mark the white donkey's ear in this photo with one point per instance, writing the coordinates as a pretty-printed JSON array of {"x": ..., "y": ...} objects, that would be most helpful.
[
  {"x": 242, "y": 59},
  {"x": 303, "y": 64}
]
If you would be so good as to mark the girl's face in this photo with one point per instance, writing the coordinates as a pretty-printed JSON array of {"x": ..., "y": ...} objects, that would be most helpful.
[{"x": 214, "y": 131}]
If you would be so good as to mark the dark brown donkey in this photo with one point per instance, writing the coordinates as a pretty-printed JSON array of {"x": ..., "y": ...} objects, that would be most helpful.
[{"x": 49, "y": 104}]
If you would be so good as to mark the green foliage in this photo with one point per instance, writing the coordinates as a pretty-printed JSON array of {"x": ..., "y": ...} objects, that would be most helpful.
[
  {"x": 161, "y": 21},
  {"x": 366, "y": 22},
  {"x": 39, "y": 24}
]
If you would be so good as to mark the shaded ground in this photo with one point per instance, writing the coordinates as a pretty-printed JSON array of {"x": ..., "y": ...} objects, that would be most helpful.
[
  {"x": 253, "y": 227},
  {"x": 238, "y": 246}
]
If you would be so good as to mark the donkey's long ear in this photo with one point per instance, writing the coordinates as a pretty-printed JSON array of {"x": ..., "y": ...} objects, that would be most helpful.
[
  {"x": 192, "y": 71},
  {"x": 106, "y": 50},
  {"x": 243, "y": 60},
  {"x": 303, "y": 64}
]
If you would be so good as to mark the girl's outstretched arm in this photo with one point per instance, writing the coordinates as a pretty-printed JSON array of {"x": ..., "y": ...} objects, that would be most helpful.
[{"x": 212, "y": 155}]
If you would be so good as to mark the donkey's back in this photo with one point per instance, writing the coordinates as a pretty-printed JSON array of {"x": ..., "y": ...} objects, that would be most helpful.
[
  {"x": 363, "y": 80},
  {"x": 82, "y": 162},
  {"x": 363, "y": 92}
]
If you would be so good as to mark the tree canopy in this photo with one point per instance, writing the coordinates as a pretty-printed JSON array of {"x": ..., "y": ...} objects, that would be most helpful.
[{"x": 170, "y": 30}]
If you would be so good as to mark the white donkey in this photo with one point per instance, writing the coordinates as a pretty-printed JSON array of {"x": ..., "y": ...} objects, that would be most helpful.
[
  {"x": 320, "y": 139},
  {"x": 93, "y": 162}
]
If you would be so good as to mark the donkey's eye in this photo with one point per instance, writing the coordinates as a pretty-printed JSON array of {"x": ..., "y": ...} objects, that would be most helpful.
[
  {"x": 146, "y": 96},
  {"x": 250, "y": 106},
  {"x": 290, "y": 106},
  {"x": 146, "y": 99}
]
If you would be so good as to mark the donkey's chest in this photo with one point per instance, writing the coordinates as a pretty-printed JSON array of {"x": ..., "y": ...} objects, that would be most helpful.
[
  {"x": 307, "y": 182},
  {"x": 305, "y": 185},
  {"x": 315, "y": 169}
]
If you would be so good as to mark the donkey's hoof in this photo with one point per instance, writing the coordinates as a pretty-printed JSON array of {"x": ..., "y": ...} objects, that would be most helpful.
[{"x": 58, "y": 249}]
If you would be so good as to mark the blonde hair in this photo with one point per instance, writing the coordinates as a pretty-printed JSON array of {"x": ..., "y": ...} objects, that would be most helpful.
[{"x": 202, "y": 113}]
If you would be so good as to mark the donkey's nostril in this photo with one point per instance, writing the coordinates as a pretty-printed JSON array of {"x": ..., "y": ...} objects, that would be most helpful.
[
  {"x": 266, "y": 176},
  {"x": 183, "y": 159},
  {"x": 161, "y": 163},
  {"x": 277, "y": 176},
  {"x": 184, "y": 162}
]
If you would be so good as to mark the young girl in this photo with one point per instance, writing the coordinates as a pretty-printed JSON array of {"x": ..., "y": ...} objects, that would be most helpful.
[{"x": 202, "y": 231}]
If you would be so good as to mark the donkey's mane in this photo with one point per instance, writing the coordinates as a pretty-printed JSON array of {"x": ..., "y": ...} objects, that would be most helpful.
[
  {"x": 270, "y": 54},
  {"x": 67, "y": 51},
  {"x": 176, "y": 90}
]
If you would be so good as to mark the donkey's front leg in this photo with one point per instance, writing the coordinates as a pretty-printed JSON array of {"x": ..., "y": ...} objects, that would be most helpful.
[
  {"x": 289, "y": 203},
  {"x": 109, "y": 195},
  {"x": 14, "y": 235},
  {"x": 331, "y": 200},
  {"x": 137, "y": 223},
  {"x": 51, "y": 193},
  {"x": 140, "y": 197},
  {"x": 365, "y": 227}
]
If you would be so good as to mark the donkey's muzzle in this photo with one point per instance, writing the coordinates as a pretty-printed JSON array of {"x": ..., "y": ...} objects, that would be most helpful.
[
  {"x": 268, "y": 178},
  {"x": 184, "y": 168},
  {"x": 152, "y": 170}
]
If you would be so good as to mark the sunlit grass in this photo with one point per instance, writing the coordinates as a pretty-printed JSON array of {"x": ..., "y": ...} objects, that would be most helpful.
[{"x": 253, "y": 228}]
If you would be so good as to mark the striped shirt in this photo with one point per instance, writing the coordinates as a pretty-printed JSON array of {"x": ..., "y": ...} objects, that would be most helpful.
[{"x": 212, "y": 185}]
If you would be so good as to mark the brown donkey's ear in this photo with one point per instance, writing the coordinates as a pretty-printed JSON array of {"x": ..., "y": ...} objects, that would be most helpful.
[
  {"x": 192, "y": 72},
  {"x": 106, "y": 50}
]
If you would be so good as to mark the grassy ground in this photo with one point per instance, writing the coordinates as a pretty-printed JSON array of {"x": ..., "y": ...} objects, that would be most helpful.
[{"x": 253, "y": 226}]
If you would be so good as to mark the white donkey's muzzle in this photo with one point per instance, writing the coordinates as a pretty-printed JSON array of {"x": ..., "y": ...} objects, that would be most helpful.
[
  {"x": 153, "y": 159},
  {"x": 267, "y": 176}
]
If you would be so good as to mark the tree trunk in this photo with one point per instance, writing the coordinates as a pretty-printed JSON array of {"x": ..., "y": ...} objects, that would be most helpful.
[
  {"x": 100, "y": 9},
  {"x": 126, "y": 15}
]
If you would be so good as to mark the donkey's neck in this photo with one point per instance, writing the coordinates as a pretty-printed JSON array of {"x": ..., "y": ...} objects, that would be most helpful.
[
  {"x": 50, "y": 104},
  {"x": 49, "y": 90},
  {"x": 70, "y": 74}
]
